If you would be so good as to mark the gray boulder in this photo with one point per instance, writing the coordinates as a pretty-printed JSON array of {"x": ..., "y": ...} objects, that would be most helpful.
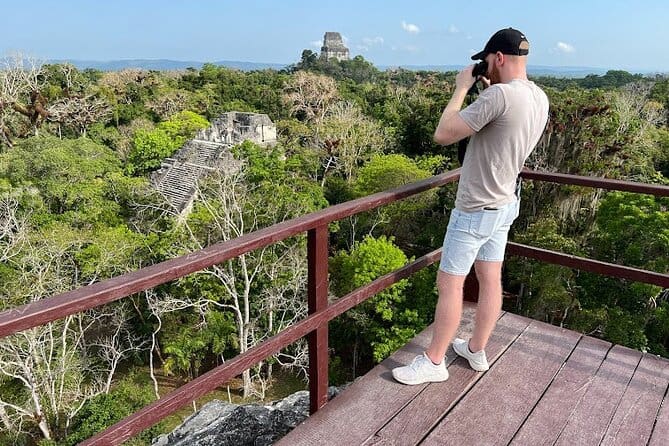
[{"x": 219, "y": 423}]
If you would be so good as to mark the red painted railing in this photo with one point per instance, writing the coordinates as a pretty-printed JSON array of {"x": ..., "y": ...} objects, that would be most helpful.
[{"x": 320, "y": 313}]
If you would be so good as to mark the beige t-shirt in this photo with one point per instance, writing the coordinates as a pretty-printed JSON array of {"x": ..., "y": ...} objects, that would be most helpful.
[{"x": 508, "y": 119}]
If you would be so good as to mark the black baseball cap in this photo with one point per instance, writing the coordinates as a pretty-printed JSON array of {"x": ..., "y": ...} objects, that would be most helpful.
[{"x": 507, "y": 41}]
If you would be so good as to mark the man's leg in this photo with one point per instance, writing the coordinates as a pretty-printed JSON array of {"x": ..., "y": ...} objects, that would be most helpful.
[
  {"x": 489, "y": 275},
  {"x": 447, "y": 315}
]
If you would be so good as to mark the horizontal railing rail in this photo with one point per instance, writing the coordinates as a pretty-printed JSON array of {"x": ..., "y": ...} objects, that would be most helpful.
[
  {"x": 602, "y": 183},
  {"x": 314, "y": 326},
  {"x": 100, "y": 293}
]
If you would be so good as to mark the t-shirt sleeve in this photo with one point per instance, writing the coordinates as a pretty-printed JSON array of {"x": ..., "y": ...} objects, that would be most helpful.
[{"x": 486, "y": 108}]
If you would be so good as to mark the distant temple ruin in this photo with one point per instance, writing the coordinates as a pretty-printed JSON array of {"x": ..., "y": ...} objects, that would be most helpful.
[
  {"x": 177, "y": 178},
  {"x": 333, "y": 47}
]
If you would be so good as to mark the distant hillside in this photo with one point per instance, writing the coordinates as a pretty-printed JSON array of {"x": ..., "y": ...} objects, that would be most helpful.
[
  {"x": 533, "y": 70},
  {"x": 166, "y": 64}
]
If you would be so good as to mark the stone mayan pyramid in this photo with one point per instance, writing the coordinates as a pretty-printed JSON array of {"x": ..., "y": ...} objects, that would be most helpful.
[
  {"x": 177, "y": 178},
  {"x": 333, "y": 47}
]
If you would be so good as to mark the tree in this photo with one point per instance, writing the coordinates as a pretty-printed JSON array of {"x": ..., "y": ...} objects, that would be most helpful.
[
  {"x": 381, "y": 324},
  {"x": 307, "y": 61},
  {"x": 69, "y": 177},
  {"x": 632, "y": 230},
  {"x": 79, "y": 113},
  {"x": 21, "y": 82},
  {"x": 47, "y": 373},
  {"x": 264, "y": 289},
  {"x": 150, "y": 147},
  {"x": 405, "y": 219},
  {"x": 546, "y": 292},
  {"x": 310, "y": 96},
  {"x": 349, "y": 139}
]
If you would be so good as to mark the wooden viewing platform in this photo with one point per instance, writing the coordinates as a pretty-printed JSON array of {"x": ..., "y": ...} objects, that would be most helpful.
[{"x": 546, "y": 386}]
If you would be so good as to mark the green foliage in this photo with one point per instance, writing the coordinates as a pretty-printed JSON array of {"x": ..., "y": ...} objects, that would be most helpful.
[
  {"x": 338, "y": 190},
  {"x": 413, "y": 113},
  {"x": 220, "y": 89},
  {"x": 264, "y": 164},
  {"x": 406, "y": 218},
  {"x": 69, "y": 177},
  {"x": 128, "y": 396},
  {"x": 150, "y": 147},
  {"x": 188, "y": 349},
  {"x": 626, "y": 329},
  {"x": 612, "y": 79},
  {"x": 657, "y": 330},
  {"x": 548, "y": 292},
  {"x": 380, "y": 323},
  {"x": 633, "y": 229},
  {"x": 105, "y": 135},
  {"x": 293, "y": 132},
  {"x": 357, "y": 70},
  {"x": 387, "y": 172},
  {"x": 183, "y": 125}
]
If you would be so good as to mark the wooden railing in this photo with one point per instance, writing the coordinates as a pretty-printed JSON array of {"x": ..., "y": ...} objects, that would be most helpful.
[{"x": 315, "y": 325}]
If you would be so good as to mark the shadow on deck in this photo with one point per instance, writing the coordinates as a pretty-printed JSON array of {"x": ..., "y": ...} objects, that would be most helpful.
[{"x": 546, "y": 385}]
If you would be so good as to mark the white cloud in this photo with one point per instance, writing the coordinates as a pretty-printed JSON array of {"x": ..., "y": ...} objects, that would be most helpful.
[
  {"x": 410, "y": 27},
  {"x": 453, "y": 29},
  {"x": 316, "y": 43},
  {"x": 370, "y": 41},
  {"x": 565, "y": 48}
]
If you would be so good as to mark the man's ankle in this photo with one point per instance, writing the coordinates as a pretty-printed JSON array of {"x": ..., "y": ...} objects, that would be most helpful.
[{"x": 429, "y": 356}]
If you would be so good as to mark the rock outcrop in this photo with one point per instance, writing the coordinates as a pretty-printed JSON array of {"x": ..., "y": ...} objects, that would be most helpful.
[{"x": 220, "y": 423}]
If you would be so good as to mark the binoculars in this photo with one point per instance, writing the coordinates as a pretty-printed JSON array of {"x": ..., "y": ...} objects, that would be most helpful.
[{"x": 480, "y": 69}]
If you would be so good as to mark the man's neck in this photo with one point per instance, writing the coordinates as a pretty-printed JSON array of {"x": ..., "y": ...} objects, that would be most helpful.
[{"x": 513, "y": 75}]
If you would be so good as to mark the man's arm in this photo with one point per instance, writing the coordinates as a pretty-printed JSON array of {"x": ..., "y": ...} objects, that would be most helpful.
[{"x": 452, "y": 128}]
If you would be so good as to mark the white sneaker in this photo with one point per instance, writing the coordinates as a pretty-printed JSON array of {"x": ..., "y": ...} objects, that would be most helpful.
[
  {"x": 421, "y": 370},
  {"x": 477, "y": 361}
]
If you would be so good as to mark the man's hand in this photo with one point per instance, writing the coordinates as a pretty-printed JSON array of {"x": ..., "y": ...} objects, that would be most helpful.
[
  {"x": 452, "y": 128},
  {"x": 464, "y": 79}
]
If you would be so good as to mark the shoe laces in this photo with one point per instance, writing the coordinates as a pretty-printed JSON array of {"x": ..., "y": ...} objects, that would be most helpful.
[{"x": 417, "y": 361}]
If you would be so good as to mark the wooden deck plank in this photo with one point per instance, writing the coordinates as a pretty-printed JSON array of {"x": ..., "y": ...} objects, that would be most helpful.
[
  {"x": 498, "y": 405},
  {"x": 438, "y": 398},
  {"x": 370, "y": 401},
  {"x": 660, "y": 435},
  {"x": 635, "y": 416},
  {"x": 546, "y": 421},
  {"x": 591, "y": 417}
]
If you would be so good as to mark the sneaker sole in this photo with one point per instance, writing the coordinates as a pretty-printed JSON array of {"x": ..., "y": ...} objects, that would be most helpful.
[{"x": 414, "y": 383}]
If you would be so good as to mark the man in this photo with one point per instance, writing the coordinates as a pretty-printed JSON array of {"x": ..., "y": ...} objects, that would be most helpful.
[{"x": 505, "y": 123}]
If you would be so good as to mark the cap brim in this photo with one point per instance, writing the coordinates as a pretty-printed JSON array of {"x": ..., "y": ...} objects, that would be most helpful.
[{"x": 479, "y": 56}]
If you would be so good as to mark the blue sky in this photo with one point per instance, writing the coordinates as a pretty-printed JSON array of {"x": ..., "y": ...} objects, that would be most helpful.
[{"x": 630, "y": 35}]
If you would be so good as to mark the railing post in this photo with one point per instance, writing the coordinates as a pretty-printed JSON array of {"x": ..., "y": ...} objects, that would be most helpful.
[{"x": 317, "y": 287}]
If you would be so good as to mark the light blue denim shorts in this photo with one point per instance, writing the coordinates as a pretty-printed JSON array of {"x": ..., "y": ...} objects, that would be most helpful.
[{"x": 479, "y": 235}]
